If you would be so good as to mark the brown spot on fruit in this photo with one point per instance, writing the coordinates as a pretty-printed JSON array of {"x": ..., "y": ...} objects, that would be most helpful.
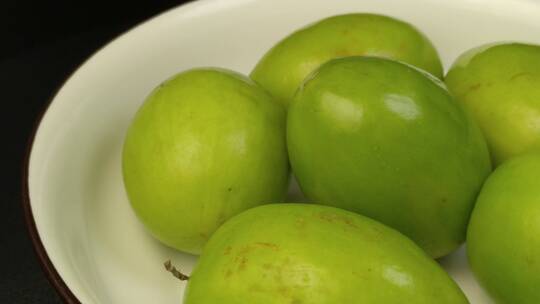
[
  {"x": 403, "y": 46},
  {"x": 300, "y": 222},
  {"x": 267, "y": 245},
  {"x": 519, "y": 75},
  {"x": 284, "y": 290},
  {"x": 472, "y": 88},
  {"x": 475, "y": 87},
  {"x": 245, "y": 250},
  {"x": 336, "y": 218},
  {"x": 243, "y": 263},
  {"x": 345, "y": 53}
]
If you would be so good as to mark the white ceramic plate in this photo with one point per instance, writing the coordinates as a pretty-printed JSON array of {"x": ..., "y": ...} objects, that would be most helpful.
[{"x": 90, "y": 242}]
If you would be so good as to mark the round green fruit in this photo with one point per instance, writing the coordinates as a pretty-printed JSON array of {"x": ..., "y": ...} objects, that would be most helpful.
[
  {"x": 288, "y": 63},
  {"x": 500, "y": 85},
  {"x": 205, "y": 145},
  {"x": 298, "y": 253},
  {"x": 503, "y": 240},
  {"x": 386, "y": 140}
]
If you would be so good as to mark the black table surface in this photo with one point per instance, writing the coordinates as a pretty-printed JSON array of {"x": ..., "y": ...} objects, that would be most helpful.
[{"x": 42, "y": 45}]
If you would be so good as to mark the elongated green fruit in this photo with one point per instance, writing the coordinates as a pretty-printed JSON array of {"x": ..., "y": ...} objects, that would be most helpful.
[{"x": 312, "y": 254}]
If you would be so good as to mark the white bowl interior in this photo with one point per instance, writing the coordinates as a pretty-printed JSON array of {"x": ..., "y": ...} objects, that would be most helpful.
[{"x": 77, "y": 197}]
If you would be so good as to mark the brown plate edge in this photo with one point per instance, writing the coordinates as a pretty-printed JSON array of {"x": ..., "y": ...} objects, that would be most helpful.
[{"x": 46, "y": 265}]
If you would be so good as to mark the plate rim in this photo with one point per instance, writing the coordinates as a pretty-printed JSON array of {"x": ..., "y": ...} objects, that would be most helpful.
[
  {"x": 45, "y": 262},
  {"x": 48, "y": 268}
]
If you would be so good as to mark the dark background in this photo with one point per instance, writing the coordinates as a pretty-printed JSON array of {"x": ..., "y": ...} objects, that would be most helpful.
[{"x": 41, "y": 44}]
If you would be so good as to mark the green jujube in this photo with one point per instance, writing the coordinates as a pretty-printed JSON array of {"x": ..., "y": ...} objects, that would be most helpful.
[
  {"x": 386, "y": 140},
  {"x": 286, "y": 65},
  {"x": 205, "y": 145},
  {"x": 312, "y": 254}
]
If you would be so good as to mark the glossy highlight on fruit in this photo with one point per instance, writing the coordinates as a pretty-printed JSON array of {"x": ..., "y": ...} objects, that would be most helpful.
[
  {"x": 500, "y": 85},
  {"x": 205, "y": 145},
  {"x": 503, "y": 239},
  {"x": 302, "y": 253},
  {"x": 287, "y": 64},
  {"x": 386, "y": 140}
]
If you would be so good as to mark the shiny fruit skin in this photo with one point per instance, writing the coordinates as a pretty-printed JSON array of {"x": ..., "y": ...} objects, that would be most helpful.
[
  {"x": 503, "y": 238},
  {"x": 386, "y": 140},
  {"x": 205, "y": 145},
  {"x": 500, "y": 85},
  {"x": 312, "y": 254},
  {"x": 286, "y": 65}
]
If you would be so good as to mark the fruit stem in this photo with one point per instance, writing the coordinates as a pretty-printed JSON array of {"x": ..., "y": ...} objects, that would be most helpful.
[{"x": 175, "y": 272}]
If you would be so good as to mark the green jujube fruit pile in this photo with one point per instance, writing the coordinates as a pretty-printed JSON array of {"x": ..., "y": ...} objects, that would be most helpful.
[{"x": 391, "y": 156}]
